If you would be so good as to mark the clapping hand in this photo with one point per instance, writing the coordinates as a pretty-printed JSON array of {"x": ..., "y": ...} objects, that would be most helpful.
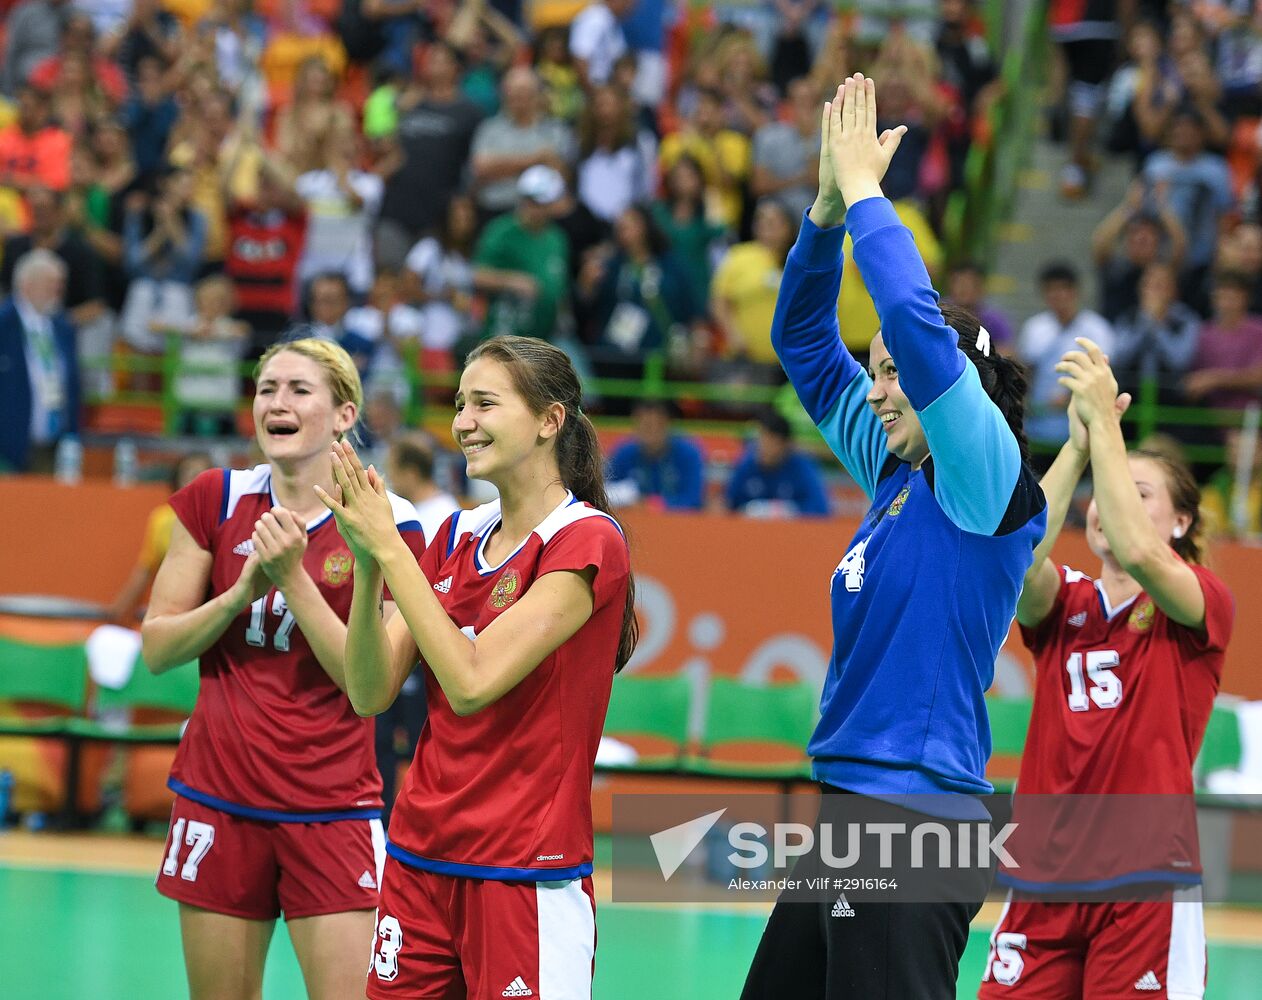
[
  {"x": 1094, "y": 396},
  {"x": 365, "y": 518},
  {"x": 280, "y": 541},
  {"x": 859, "y": 157}
]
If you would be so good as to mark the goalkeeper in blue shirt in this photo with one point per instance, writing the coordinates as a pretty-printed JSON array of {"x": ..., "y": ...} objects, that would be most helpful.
[{"x": 926, "y": 592}]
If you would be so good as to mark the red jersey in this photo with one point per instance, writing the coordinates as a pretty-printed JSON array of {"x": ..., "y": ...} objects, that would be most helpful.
[
  {"x": 505, "y": 793},
  {"x": 262, "y": 258},
  {"x": 272, "y": 737},
  {"x": 1122, "y": 698}
]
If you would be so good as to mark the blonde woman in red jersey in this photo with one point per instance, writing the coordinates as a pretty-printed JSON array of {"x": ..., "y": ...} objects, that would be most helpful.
[
  {"x": 1127, "y": 669},
  {"x": 521, "y": 612},
  {"x": 278, "y": 800}
]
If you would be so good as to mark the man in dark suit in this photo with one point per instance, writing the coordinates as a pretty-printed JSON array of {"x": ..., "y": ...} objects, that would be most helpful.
[{"x": 39, "y": 371}]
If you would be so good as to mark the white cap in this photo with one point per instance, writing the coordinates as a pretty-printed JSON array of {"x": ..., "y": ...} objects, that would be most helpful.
[{"x": 541, "y": 184}]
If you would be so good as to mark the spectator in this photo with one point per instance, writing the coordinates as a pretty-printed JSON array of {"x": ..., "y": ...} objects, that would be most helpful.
[
  {"x": 744, "y": 292},
  {"x": 1228, "y": 511},
  {"x": 442, "y": 282},
  {"x": 723, "y": 154},
  {"x": 967, "y": 64},
  {"x": 379, "y": 330},
  {"x": 966, "y": 286},
  {"x": 436, "y": 126},
  {"x": 645, "y": 31},
  {"x": 295, "y": 37},
  {"x": 1130, "y": 238},
  {"x": 514, "y": 140},
  {"x": 597, "y": 40},
  {"x": 78, "y": 49},
  {"x": 328, "y": 300},
  {"x": 1238, "y": 62},
  {"x": 749, "y": 99},
  {"x": 640, "y": 303},
  {"x": 39, "y": 374},
  {"x": 1087, "y": 44},
  {"x": 786, "y": 154},
  {"x": 163, "y": 240},
  {"x": 911, "y": 98},
  {"x": 791, "y": 52},
  {"x": 211, "y": 345},
  {"x": 773, "y": 478},
  {"x": 1157, "y": 338},
  {"x": 1200, "y": 187},
  {"x": 562, "y": 85},
  {"x": 33, "y": 150},
  {"x": 150, "y": 32},
  {"x": 314, "y": 126},
  {"x": 1044, "y": 340},
  {"x": 122, "y": 610},
  {"x": 1137, "y": 98},
  {"x": 78, "y": 99},
  {"x": 1227, "y": 372},
  {"x": 656, "y": 466},
  {"x": 523, "y": 260},
  {"x": 238, "y": 38},
  {"x": 342, "y": 202},
  {"x": 149, "y": 116},
  {"x": 616, "y": 161},
  {"x": 32, "y": 34},
  {"x": 410, "y": 473},
  {"x": 265, "y": 239},
  {"x": 1246, "y": 244},
  {"x": 680, "y": 214},
  {"x": 489, "y": 44}
]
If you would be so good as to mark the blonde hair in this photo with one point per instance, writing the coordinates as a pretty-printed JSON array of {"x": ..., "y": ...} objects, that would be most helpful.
[{"x": 339, "y": 370}]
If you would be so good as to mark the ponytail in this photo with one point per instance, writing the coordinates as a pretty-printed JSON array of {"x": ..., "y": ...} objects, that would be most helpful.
[
  {"x": 1002, "y": 378},
  {"x": 544, "y": 375}
]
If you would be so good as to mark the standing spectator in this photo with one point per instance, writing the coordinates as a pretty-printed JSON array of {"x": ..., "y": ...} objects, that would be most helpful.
[
  {"x": 78, "y": 48},
  {"x": 616, "y": 160},
  {"x": 435, "y": 131},
  {"x": 966, "y": 287},
  {"x": 342, "y": 202},
  {"x": 211, "y": 344},
  {"x": 265, "y": 238},
  {"x": 722, "y": 153},
  {"x": 749, "y": 99},
  {"x": 78, "y": 99},
  {"x": 1200, "y": 188},
  {"x": 489, "y": 44},
  {"x": 1045, "y": 338},
  {"x": 39, "y": 374},
  {"x": 442, "y": 277},
  {"x": 163, "y": 242},
  {"x": 32, "y": 33},
  {"x": 149, "y": 116},
  {"x": 1087, "y": 34},
  {"x": 523, "y": 260},
  {"x": 773, "y": 478},
  {"x": 639, "y": 299},
  {"x": 680, "y": 214},
  {"x": 328, "y": 300},
  {"x": 33, "y": 150},
  {"x": 314, "y": 121},
  {"x": 656, "y": 466},
  {"x": 148, "y": 33},
  {"x": 1227, "y": 372},
  {"x": 1246, "y": 242},
  {"x": 1130, "y": 238},
  {"x": 518, "y": 138},
  {"x": 1157, "y": 338},
  {"x": 786, "y": 154},
  {"x": 745, "y": 287},
  {"x": 380, "y": 328},
  {"x": 645, "y": 31},
  {"x": 597, "y": 40},
  {"x": 791, "y": 52},
  {"x": 562, "y": 85}
]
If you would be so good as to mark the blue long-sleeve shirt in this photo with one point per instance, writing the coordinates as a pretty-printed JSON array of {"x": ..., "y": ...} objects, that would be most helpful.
[
  {"x": 795, "y": 481},
  {"x": 927, "y": 590},
  {"x": 677, "y": 475}
]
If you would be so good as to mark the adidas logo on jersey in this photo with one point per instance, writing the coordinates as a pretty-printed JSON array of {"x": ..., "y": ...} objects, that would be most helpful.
[
  {"x": 1078, "y": 620},
  {"x": 366, "y": 881},
  {"x": 518, "y": 987},
  {"x": 444, "y": 587},
  {"x": 243, "y": 548},
  {"x": 842, "y": 907},
  {"x": 1148, "y": 981}
]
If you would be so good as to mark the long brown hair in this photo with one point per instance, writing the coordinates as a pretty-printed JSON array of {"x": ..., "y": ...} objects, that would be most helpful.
[
  {"x": 1185, "y": 497},
  {"x": 544, "y": 375}
]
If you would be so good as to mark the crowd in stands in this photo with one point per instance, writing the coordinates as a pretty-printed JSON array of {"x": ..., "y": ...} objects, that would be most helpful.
[
  {"x": 623, "y": 178},
  {"x": 1178, "y": 262}
]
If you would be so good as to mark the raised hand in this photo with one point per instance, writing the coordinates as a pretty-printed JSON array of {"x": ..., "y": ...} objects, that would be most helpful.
[
  {"x": 859, "y": 156},
  {"x": 253, "y": 583},
  {"x": 829, "y": 208},
  {"x": 364, "y": 515},
  {"x": 1089, "y": 379},
  {"x": 280, "y": 541}
]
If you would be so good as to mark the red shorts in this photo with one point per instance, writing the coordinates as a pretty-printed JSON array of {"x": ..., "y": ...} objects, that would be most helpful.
[
  {"x": 258, "y": 869},
  {"x": 439, "y": 936},
  {"x": 1098, "y": 951}
]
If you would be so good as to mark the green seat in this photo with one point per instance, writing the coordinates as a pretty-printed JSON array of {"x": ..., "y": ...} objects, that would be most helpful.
[
  {"x": 1009, "y": 723},
  {"x": 780, "y": 717},
  {"x": 174, "y": 690},
  {"x": 1221, "y": 748},
  {"x": 52, "y": 676},
  {"x": 651, "y": 706}
]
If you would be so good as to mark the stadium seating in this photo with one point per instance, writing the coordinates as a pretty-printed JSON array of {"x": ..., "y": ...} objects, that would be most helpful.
[
  {"x": 757, "y": 730},
  {"x": 651, "y": 715}
]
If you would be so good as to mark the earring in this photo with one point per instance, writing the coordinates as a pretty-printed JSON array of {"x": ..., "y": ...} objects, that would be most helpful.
[{"x": 1178, "y": 532}]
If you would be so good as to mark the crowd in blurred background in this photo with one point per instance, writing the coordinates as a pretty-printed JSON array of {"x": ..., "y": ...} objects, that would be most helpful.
[{"x": 183, "y": 182}]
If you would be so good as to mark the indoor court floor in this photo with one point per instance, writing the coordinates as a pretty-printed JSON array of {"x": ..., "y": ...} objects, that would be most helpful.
[{"x": 80, "y": 920}]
